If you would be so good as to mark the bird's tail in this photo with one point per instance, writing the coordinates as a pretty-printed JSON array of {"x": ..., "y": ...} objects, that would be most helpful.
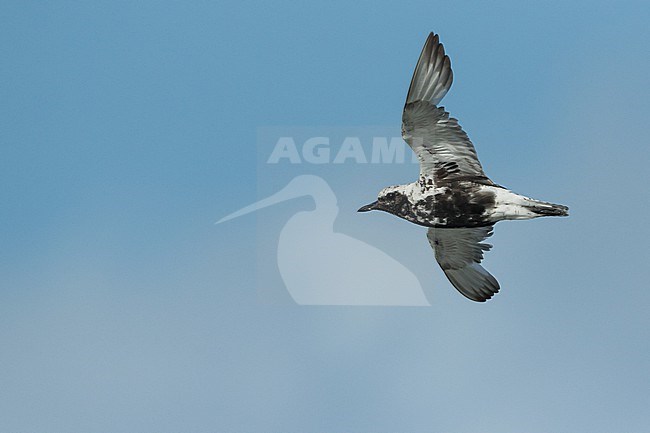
[{"x": 543, "y": 208}]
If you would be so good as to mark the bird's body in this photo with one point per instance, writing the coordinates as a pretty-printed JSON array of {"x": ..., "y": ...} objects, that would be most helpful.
[
  {"x": 461, "y": 203},
  {"x": 452, "y": 196}
]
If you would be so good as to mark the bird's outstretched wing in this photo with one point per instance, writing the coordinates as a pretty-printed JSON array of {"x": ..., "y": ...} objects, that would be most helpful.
[
  {"x": 459, "y": 252},
  {"x": 439, "y": 142}
]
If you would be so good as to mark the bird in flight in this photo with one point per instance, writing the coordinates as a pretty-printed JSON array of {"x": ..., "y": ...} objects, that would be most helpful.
[{"x": 452, "y": 196}]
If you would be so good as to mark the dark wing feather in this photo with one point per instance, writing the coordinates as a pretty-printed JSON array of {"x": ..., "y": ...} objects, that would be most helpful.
[{"x": 459, "y": 252}]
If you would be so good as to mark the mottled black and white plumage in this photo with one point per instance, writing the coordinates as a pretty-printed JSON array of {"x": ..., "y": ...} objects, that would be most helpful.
[{"x": 453, "y": 196}]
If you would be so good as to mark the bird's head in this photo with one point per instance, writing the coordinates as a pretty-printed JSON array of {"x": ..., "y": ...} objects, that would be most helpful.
[{"x": 390, "y": 199}]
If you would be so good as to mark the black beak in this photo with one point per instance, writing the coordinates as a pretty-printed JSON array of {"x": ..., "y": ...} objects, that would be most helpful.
[{"x": 368, "y": 207}]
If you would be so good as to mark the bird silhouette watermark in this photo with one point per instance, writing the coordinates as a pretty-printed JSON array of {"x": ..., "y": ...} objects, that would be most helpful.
[{"x": 320, "y": 266}]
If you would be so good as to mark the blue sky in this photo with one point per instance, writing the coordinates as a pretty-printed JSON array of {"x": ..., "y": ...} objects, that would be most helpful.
[{"x": 129, "y": 128}]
